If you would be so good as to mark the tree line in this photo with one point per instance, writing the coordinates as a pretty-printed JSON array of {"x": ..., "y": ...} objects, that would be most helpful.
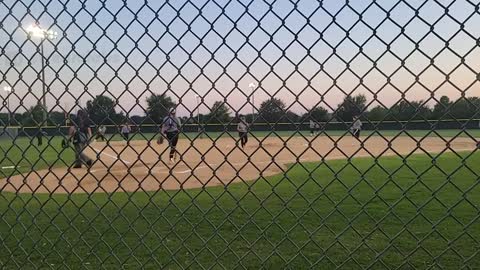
[{"x": 104, "y": 110}]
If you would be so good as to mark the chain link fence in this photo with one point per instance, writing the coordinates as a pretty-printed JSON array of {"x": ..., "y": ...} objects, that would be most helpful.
[{"x": 239, "y": 134}]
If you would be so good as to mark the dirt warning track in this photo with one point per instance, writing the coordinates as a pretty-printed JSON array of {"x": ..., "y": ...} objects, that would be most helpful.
[{"x": 136, "y": 166}]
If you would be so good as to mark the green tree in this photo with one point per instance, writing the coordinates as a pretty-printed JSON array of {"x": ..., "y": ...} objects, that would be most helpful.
[
  {"x": 137, "y": 119},
  {"x": 33, "y": 116},
  {"x": 410, "y": 110},
  {"x": 158, "y": 106},
  {"x": 202, "y": 118},
  {"x": 272, "y": 110},
  {"x": 101, "y": 110},
  {"x": 318, "y": 114},
  {"x": 291, "y": 117},
  {"x": 3, "y": 119},
  {"x": 377, "y": 113},
  {"x": 465, "y": 108},
  {"x": 441, "y": 108},
  {"x": 351, "y": 105},
  {"x": 219, "y": 113},
  {"x": 56, "y": 118},
  {"x": 16, "y": 119}
]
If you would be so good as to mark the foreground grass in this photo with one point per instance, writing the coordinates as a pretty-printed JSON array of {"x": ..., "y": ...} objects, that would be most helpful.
[{"x": 385, "y": 213}]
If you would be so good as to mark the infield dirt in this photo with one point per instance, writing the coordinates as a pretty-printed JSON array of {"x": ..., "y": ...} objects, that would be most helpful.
[{"x": 136, "y": 166}]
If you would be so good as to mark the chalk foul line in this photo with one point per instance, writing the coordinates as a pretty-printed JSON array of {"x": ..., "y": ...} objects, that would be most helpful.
[
  {"x": 101, "y": 152},
  {"x": 10, "y": 167}
]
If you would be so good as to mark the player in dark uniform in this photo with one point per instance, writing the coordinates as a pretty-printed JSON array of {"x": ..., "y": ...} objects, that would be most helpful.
[
  {"x": 80, "y": 133},
  {"x": 171, "y": 130},
  {"x": 40, "y": 134}
]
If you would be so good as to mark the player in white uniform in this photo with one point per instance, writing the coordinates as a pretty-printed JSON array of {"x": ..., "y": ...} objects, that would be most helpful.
[
  {"x": 125, "y": 131},
  {"x": 356, "y": 126},
  {"x": 242, "y": 129},
  {"x": 171, "y": 130}
]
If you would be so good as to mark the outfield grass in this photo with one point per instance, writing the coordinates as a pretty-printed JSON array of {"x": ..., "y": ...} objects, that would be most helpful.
[{"x": 385, "y": 213}]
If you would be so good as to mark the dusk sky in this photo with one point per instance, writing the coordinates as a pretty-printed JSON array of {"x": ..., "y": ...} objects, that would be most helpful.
[{"x": 216, "y": 48}]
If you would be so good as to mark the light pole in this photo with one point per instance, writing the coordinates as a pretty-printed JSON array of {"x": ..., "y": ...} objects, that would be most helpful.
[
  {"x": 36, "y": 31},
  {"x": 252, "y": 87},
  {"x": 197, "y": 98},
  {"x": 9, "y": 90}
]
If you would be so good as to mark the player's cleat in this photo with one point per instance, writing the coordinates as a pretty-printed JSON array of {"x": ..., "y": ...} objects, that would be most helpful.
[
  {"x": 77, "y": 166},
  {"x": 89, "y": 163}
]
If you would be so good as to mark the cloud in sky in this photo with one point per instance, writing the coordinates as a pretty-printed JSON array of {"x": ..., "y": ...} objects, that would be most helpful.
[{"x": 304, "y": 53}]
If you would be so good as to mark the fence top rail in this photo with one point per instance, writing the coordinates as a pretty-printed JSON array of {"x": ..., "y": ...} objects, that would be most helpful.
[{"x": 270, "y": 124}]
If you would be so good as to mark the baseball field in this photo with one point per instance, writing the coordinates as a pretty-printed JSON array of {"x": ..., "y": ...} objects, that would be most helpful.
[{"x": 318, "y": 202}]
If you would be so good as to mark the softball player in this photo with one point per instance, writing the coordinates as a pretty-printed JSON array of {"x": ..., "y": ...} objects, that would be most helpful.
[
  {"x": 80, "y": 133},
  {"x": 312, "y": 128},
  {"x": 171, "y": 130},
  {"x": 317, "y": 128},
  {"x": 101, "y": 133},
  {"x": 242, "y": 129},
  {"x": 125, "y": 131},
  {"x": 356, "y": 127},
  {"x": 40, "y": 134}
]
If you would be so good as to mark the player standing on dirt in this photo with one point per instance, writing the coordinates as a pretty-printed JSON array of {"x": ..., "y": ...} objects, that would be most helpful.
[
  {"x": 317, "y": 128},
  {"x": 242, "y": 129},
  {"x": 312, "y": 127},
  {"x": 80, "y": 133},
  {"x": 356, "y": 126},
  {"x": 171, "y": 130}
]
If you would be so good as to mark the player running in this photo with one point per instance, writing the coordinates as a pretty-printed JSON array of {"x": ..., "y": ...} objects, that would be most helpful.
[
  {"x": 242, "y": 129},
  {"x": 171, "y": 130}
]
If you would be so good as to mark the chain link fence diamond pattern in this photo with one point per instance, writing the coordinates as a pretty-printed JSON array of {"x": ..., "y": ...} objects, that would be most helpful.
[{"x": 312, "y": 134}]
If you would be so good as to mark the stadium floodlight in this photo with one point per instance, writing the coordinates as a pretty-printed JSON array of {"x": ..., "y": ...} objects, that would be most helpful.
[
  {"x": 35, "y": 31},
  {"x": 252, "y": 87},
  {"x": 9, "y": 90}
]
